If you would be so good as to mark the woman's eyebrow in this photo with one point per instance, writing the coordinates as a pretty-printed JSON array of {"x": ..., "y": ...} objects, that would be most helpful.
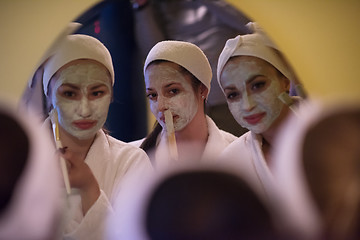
[
  {"x": 230, "y": 88},
  {"x": 75, "y": 87},
  {"x": 252, "y": 78},
  {"x": 97, "y": 86},
  {"x": 170, "y": 84}
]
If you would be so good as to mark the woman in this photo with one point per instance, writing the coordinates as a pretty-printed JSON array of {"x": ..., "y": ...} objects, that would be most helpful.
[
  {"x": 78, "y": 82},
  {"x": 177, "y": 78},
  {"x": 253, "y": 76}
]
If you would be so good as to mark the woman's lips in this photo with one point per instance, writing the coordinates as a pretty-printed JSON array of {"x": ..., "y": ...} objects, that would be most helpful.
[
  {"x": 254, "y": 119},
  {"x": 84, "y": 124}
]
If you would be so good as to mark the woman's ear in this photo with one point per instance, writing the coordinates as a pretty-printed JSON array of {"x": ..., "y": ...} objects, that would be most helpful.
[
  {"x": 286, "y": 84},
  {"x": 203, "y": 91}
]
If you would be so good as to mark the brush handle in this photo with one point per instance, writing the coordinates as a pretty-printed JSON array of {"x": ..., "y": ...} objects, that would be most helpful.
[
  {"x": 171, "y": 135},
  {"x": 63, "y": 167},
  {"x": 288, "y": 101}
]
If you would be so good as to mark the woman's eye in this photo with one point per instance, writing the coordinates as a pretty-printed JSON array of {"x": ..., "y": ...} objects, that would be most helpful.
[
  {"x": 151, "y": 96},
  {"x": 232, "y": 96},
  {"x": 174, "y": 91},
  {"x": 258, "y": 86},
  {"x": 69, "y": 94},
  {"x": 98, "y": 93}
]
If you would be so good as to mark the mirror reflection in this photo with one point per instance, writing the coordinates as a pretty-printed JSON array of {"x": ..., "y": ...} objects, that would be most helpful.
[
  {"x": 129, "y": 31},
  {"x": 209, "y": 79}
]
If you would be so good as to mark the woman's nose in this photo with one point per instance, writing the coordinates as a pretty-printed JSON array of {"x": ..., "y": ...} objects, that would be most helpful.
[
  {"x": 248, "y": 102},
  {"x": 84, "y": 109},
  {"x": 162, "y": 104}
]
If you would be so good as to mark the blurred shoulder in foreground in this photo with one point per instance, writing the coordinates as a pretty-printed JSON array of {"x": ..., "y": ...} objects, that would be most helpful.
[
  {"x": 30, "y": 183},
  {"x": 319, "y": 169}
]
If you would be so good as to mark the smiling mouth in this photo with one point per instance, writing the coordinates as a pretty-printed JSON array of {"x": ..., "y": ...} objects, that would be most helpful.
[
  {"x": 254, "y": 119},
  {"x": 84, "y": 124}
]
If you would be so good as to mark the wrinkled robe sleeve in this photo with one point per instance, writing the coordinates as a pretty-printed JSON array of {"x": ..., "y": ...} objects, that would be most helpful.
[
  {"x": 92, "y": 225},
  {"x": 120, "y": 163}
]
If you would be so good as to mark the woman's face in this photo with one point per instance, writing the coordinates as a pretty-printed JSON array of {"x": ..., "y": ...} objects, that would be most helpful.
[
  {"x": 167, "y": 88},
  {"x": 81, "y": 94},
  {"x": 251, "y": 87}
]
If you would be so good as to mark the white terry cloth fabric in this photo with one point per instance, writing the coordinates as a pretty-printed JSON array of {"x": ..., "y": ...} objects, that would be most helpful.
[
  {"x": 113, "y": 164},
  {"x": 297, "y": 204},
  {"x": 185, "y": 54},
  {"x": 256, "y": 44},
  {"x": 137, "y": 143},
  {"x": 246, "y": 156},
  {"x": 73, "y": 47},
  {"x": 217, "y": 141},
  {"x": 35, "y": 209}
]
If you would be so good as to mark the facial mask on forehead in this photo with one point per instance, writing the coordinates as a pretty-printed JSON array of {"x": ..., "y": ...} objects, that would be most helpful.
[
  {"x": 183, "y": 105},
  {"x": 71, "y": 111}
]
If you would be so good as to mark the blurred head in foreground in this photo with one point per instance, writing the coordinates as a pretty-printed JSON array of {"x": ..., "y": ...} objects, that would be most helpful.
[
  {"x": 30, "y": 187},
  {"x": 321, "y": 165},
  {"x": 195, "y": 202}
]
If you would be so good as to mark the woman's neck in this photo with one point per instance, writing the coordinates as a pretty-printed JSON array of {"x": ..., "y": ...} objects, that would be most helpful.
[
  {"x": 77, "y": 146},
  {"x": 196, "y": 130},
  {"x": 270, "y": 135},
  {"x": 194, "y": 134}
]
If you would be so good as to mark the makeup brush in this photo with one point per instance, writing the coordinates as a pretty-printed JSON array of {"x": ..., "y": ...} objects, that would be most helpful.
[
  {"x": 288, "y": 101},
  {"x": 171, "y": 135},
  {"x": 55, "y": 127}
]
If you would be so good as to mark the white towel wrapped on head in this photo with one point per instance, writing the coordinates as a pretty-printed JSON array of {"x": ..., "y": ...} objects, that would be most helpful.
[
  {"x": 185, "y": 54},
  {"x": 74, "y": 47},
  {"x": 256, "y": 44}
]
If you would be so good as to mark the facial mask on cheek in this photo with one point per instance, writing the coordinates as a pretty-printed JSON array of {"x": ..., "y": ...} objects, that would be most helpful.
[
  {"x": 84, "y": 109},
  {"x": 185, "y": 109},
  {"x": 266, "y": 102}
]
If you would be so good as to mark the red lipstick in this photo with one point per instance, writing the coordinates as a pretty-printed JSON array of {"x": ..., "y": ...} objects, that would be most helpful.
[{"x": 84, "y": 124}]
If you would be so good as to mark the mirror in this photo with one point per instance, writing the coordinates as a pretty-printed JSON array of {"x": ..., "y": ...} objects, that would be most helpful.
[{"x": 130, "y": 30}]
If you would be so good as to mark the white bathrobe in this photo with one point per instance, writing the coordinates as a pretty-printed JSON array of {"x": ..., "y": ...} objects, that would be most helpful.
[
  {"x": 217, "y": 141},
  {"x": 246, "y": 156},
  {"x": 113, "y": 163}
]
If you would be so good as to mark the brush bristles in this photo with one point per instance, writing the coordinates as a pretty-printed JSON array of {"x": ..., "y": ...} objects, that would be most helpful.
[{"x": 286, "y": 99}]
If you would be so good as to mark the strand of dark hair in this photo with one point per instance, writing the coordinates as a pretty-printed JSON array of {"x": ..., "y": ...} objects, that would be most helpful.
[{"x": 150, "y": 141}]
